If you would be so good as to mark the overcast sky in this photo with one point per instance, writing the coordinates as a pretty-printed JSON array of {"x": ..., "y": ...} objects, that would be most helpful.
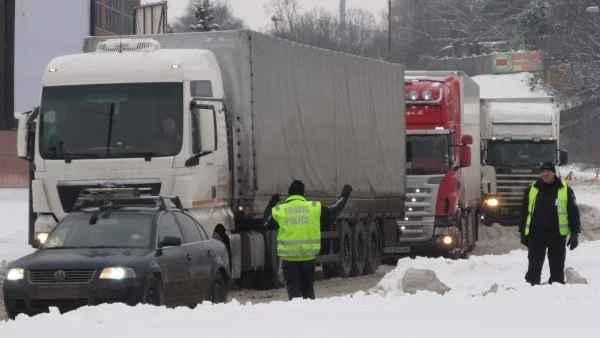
[{"x": 252, "y": 11}]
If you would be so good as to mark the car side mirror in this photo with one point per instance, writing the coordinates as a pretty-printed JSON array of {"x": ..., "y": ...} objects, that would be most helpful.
[
  {"x": 169, "y": 241},
  {"x": 36, "y": 243}
]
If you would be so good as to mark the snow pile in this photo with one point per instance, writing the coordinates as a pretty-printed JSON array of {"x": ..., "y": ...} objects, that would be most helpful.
[
  {"x": 581, "y": 172},
  {"x": 478, "y": 275},
  {"x": 483, "y": 291},
  {"x": 507, "y": 85}
]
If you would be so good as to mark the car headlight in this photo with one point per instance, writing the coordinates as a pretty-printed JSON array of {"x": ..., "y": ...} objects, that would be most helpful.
[
  {"x": 15, "y": 274},
  {"x": 491, "y": 202},
  {"x": 117, "y": 273}
]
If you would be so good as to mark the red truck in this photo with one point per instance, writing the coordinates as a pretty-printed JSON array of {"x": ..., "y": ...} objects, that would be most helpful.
[{"x": 443, "y": 166}]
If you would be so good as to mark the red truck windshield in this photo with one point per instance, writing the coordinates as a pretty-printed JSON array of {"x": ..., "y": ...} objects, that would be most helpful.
[{"x": 427, "y": 154}]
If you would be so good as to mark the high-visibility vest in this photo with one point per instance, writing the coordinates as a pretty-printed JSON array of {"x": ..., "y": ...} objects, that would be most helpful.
[
  {"x": 299, "y": 235},
  {"x": 563, "y": 217}
]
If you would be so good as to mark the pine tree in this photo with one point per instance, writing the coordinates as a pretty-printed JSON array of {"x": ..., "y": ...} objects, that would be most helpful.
[{"x": 205, "y": 14}]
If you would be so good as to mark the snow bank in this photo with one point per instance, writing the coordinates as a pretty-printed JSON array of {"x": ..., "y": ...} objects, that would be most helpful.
[
  {"x": 477, "y": 275},
  {"x": 359, "y": 315},
  {"x": 507, "y": 85}
]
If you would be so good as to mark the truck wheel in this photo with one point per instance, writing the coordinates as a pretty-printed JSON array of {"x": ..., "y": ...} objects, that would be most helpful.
[
  {"x": 330, "y": 270},
  {"x": 373, "y": 258},
  {"x": 271, "y": 278},
  {"x": 359, "y": 249},
  {"x": 473, "y": 230},
  {"x": 345, "y": 262}
]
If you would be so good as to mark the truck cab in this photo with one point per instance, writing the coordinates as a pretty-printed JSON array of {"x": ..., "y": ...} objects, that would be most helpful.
[
  {"x": 518, "y": 134},
  {"x": 149, "y": 122},
  {"x": 443, "y": 188}
]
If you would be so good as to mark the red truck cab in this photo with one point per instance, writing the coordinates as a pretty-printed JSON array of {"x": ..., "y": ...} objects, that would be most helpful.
[{"x": 443, "y": 165}]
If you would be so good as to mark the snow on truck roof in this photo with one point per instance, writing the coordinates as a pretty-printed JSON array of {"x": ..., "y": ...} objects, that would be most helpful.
[
  {"x": 520, "y": 112},
  {"x": 169, "y": 65}
]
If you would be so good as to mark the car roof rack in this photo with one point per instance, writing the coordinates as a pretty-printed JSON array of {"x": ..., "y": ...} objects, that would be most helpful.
[{"x": 110, "y": 197}]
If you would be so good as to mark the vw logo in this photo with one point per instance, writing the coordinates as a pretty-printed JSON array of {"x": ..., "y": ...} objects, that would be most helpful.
[{"x": 60, "y": 276}]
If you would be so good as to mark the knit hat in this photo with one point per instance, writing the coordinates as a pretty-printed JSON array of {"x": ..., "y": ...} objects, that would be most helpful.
[
  {"x": 296, "y": 188},
  {"x": 548, "y": 166}
]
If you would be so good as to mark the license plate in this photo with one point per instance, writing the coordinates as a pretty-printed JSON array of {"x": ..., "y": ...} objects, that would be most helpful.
[
  {"x": 396, "y": 249},
  {"x": 58, "y": 293}
]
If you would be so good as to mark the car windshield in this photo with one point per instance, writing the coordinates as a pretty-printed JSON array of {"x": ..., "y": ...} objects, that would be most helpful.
[
  {"x": 118, "y": 230},
  {"x": 515, "y": 154},
  {"x": 427, "y": 154},
  {"x": 111, "y": 121}
]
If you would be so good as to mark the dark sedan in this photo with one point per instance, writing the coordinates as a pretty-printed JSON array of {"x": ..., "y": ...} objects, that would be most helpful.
[{"x": 128, "y": 255}]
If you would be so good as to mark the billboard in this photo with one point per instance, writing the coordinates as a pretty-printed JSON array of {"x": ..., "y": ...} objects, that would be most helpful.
[
  {"x": 150, "y": 18},
  {"x": 516, "y": 62}
]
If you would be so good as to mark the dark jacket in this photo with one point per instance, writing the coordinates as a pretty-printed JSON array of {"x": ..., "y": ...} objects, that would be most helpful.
[
  {"x": 328, "y": 214},
  {"x": 545, "y": 213}
]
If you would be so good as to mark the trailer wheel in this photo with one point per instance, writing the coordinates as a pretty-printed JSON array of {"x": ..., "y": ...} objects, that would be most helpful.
[
  {"x": 373, "y": 259},
  {"x": 473, "y": 230},
  {"x": 345, "y": 262},
  {"x": 271, "y": 276},
  {"x": 359, "y": 249}
]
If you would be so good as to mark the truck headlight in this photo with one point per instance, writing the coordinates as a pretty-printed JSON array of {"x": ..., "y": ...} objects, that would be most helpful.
[
  {"x": 15, "y": 274},
  {"x": 491, "y": 202},
  {"x": 41, "y": 236},
  {"x": 117, "y": 273}
]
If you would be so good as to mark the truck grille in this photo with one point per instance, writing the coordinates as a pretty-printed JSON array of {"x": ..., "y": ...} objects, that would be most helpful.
[
  {"x": 511, "y": 188},
  {"x": 419, "y": 215},
  {"x": 60, "y": 276},
  {"x": 68, "y": 191}
]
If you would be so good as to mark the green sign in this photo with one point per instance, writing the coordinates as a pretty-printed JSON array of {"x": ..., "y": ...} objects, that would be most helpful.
[{"x": 517, "y": 62}]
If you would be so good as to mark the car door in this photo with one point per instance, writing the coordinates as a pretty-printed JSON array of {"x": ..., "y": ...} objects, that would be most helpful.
[
  {"x": 176, "y": 263},
  {"x": 195, "y": 245}
]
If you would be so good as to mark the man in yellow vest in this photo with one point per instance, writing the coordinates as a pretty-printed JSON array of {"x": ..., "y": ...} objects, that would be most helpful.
[
  {"x": 299, "y": 237},
  {"x": 549, "y": 214}
]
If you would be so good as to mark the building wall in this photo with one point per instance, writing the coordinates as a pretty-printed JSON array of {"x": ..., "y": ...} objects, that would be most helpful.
[
  {"x": 114, "y": 17},
  {"x": 13, "y": 170}
]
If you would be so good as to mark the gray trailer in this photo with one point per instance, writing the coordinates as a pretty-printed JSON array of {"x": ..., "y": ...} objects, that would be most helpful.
[{"x": 281, "y": 111}]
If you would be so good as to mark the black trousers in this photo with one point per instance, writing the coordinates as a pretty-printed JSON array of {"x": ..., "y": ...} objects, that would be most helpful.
[
  {"x": 537, "y": 243},
  {"x": 299, "y": 278}
]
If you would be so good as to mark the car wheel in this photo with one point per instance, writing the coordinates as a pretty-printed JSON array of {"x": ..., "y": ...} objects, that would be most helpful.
[
  {"x": 218, "y": 291},
  {"x": 154, "y": 293}
]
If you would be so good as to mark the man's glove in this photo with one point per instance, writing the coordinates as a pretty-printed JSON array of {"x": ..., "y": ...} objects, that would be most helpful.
[
  {"x": 274, "y": 200},
  {"x": 573, "y": 241},
  {"x": 346, "y": 191},
  {"x": 524, "y": 240}
]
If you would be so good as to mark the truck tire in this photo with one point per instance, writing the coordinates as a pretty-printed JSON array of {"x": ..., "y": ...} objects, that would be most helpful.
[
  {"x": 359, "y": 249},
  {"x": 345, "y": 262},
  {"x": 373, "y": 259},
  {"x": 271, "y": 276}
]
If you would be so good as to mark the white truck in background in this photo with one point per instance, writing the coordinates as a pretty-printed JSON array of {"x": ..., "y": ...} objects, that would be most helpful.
[
  {"x": 517, "y": 135},
  {"x": 224, "y": 120}
]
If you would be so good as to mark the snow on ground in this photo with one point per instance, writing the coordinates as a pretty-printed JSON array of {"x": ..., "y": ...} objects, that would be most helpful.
[
  {"x": 507, "y": 85},
  {"x": 531, "y": 311}
]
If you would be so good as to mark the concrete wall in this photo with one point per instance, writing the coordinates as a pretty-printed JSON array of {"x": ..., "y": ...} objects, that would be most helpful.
[{"x": 13, "y": 170}]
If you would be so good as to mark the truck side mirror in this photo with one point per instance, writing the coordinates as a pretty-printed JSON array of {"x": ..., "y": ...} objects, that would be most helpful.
[
  {"x": 23, "y": 137},
  {"x": 465, "y": 156},
  {"x": 204, "y": 132},
  {"x": 563, "y": 157},
  {"x": 466, "y": 139}
]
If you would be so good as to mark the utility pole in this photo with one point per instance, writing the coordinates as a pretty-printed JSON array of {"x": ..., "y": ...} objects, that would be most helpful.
[
  {"x": 390, "y": 30},
  {"x": 342, "y": 32},
  {"x": 7, "y": 64}
]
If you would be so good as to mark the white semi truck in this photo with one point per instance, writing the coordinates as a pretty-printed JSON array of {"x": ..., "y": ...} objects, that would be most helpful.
[
  {"x": 224, "y": 120},
  {"x": 517, "y": 135}
]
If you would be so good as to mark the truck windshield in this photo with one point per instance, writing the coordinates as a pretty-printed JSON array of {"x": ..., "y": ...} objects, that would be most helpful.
[
  {"x": 111, "y": 120},
  {"x": 120, "y": 230},
  {"x": 427, "y": 154},
  {"x": 517, "y": 153}
]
